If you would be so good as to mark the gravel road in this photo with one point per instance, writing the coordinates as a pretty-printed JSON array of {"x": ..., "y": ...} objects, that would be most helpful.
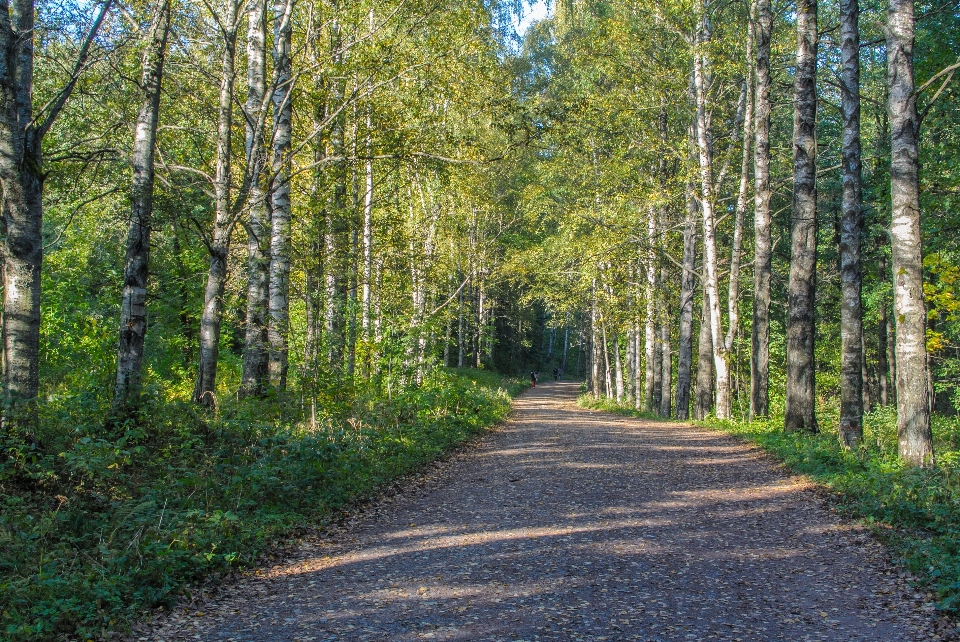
[{"x": 570, "y": 524}]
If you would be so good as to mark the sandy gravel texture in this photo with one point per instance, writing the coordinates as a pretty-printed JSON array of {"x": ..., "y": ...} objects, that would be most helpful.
[{"x": 570, "y": 524}]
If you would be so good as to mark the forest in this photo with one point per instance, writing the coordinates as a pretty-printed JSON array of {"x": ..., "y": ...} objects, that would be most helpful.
[{"x": 263, "y": 257}]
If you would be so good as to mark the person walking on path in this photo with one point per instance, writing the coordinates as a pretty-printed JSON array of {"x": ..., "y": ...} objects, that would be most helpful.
[{"x": 533, "y": 379}]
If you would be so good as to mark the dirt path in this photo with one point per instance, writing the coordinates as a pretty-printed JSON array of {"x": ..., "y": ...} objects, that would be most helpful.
[{"x": 567, "y": 524}]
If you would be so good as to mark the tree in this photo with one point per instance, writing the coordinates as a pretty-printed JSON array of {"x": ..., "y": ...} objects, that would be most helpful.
[
  {"x": 851, "y": 274},
  {"x": 915, "y": 437},
  {"x": 255, "y": 353},
  {"x": 703, "y": 78},
  {"x": 133, "y": 315},
  {"x": 225, "y": 219},
  {"x": 800, "y": 412},
  {"x": 21, "y": 180},
  {"x": 763, "y": 243},
  {"x": 280, "y": 209}
]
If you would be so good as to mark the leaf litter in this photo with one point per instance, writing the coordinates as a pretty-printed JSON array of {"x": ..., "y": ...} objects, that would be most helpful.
[{"x": 572, "y": 524}]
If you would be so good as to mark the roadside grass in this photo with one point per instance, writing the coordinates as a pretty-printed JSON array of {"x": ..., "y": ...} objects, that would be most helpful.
[
  {"x": 915, "y": 512},
  {"x": 106, "y": 522}
]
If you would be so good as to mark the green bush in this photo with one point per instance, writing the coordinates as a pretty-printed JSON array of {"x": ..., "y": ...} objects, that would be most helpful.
[{"x": 114, "y": 520}]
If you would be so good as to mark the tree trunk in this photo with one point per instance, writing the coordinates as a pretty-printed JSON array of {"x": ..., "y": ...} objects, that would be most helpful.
[
  {"x": 800, "y": 414},
  {"x": 618, "y": 369},
  {"x": 255, "y": 353},
  {"x": 913, "y": 402},
  {"x": 883, "y": 365},
  {"x": 666, "y": 365},
  {"x": 851, "y": 226},
  {"x": 740, "y": 210},
  {"x": 638, "y": 397},
  {"x": 763, "y": 243},
  {"x": 649, "y": 327},
  {"x": 460, "y": 329},
  {"x": 594, "y": 344},
  {"x": 219, "y": 245},
  {"x": 21, "y": 185},
  {"x": 704, "y": 391},
  {"x": 702, "y": 81},
  {"x": 687, "y": 285},
  {"x": 607, "y": 366},
  {"x": 133, "y": 310},
  {"x": 279, "y": 285}
]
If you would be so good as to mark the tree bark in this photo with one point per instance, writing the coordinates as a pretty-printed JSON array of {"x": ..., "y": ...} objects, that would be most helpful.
[
  {"x": 763, "y": 243},
  {"x": 800, "y": 414},
  {"x": 255, "y": 353},
  {"x": 133, "y": 309},
  {"x": 883, "y": 362},
  {"x": 278, "y": 325},
  {"x": 21, "y": 184},
  {"x": 702, "y": 81},
  {"x": 704, "y": 391},
  {"x": 666, "y": 365},
  {"x": 913, "y": 402},
  {"x": 219, "y": 244},
  {"x": 649, "y": 327},
  {"x": 687, "y": 285},
  {"x": 851, "y": 226},
  {"x": 740, "y": 210},
  {"x": 617, "y": 365}
]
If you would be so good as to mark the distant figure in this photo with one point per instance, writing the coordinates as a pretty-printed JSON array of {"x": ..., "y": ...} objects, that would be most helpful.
[
  {"x": 560, "y": 376},
  {"x": 556, "y": 374},
  {"x": 533, "y": 379}
]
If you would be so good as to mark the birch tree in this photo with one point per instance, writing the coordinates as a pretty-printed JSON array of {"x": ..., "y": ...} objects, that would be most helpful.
[
  {"x": 22, "y": 130},
  {"x": 133, "y": 307},
  {"x": 279, "y": 283},
  {"x": 915, "y": 437},
  {"x": 763, "y": 244},
  {"x": 800, "y": 412},
  {"x": 255, "y": 353},
  {"x": 224, "y": 221},
  {"x": 851, "y": 274}
]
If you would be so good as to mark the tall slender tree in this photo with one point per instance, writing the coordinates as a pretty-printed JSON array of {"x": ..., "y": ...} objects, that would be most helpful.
[
  {"x": 22, "y": 131},
  {"x": 279, "y": 301},
  {"x": 763, "y": 242},
  {"x": 800, "y": 412},
  {"x": 913, "y": 402},
  {"x": 255, "y": 353},
  {"x": 218, "y": 245},
  {"x": 688, "y": 283},
  {"x": 133, "y": 308},
  {"x": 703, "y": 79},
  {"x": 851, "y": 226}
]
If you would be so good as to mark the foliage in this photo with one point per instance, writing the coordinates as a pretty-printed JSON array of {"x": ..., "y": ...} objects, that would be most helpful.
[{"x": 123, "y": 520}]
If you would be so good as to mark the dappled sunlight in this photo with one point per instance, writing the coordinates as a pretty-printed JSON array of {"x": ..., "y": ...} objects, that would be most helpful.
[{"x": 581, "y": 526}]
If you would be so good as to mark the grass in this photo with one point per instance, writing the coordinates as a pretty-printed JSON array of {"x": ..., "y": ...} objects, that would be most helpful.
[
  {"x": 915, "y": 512},
  {"x": 102, "y": 523}
]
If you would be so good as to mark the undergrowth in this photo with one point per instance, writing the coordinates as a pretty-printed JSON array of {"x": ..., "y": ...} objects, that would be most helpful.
[
  {"x": 916, "y": 512},
  {"x": 101, "y": 523}
]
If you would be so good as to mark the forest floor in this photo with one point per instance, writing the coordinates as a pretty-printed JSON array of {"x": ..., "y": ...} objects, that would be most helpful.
[{"x": 571, "y": 524}]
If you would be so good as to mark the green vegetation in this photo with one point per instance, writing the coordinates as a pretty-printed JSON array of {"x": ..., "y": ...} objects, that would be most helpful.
[
  {"x": 122, "y": 518},
  {"x": 915, "y": 511}
]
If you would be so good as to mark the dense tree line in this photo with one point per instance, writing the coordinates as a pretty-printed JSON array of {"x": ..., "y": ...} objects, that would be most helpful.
[
  {"x": 262, "y": 195},
  {"x": 661, "y": 120},
  {"x": 235, "y": 199}
]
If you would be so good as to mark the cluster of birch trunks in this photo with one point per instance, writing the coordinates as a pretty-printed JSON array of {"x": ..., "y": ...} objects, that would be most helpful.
[
  {"x": 297, "y": 149},
  {"x": 644, "y": 372}
]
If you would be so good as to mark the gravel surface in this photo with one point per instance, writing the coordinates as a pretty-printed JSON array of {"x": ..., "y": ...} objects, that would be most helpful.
[{"x": 570, "y": 524}]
